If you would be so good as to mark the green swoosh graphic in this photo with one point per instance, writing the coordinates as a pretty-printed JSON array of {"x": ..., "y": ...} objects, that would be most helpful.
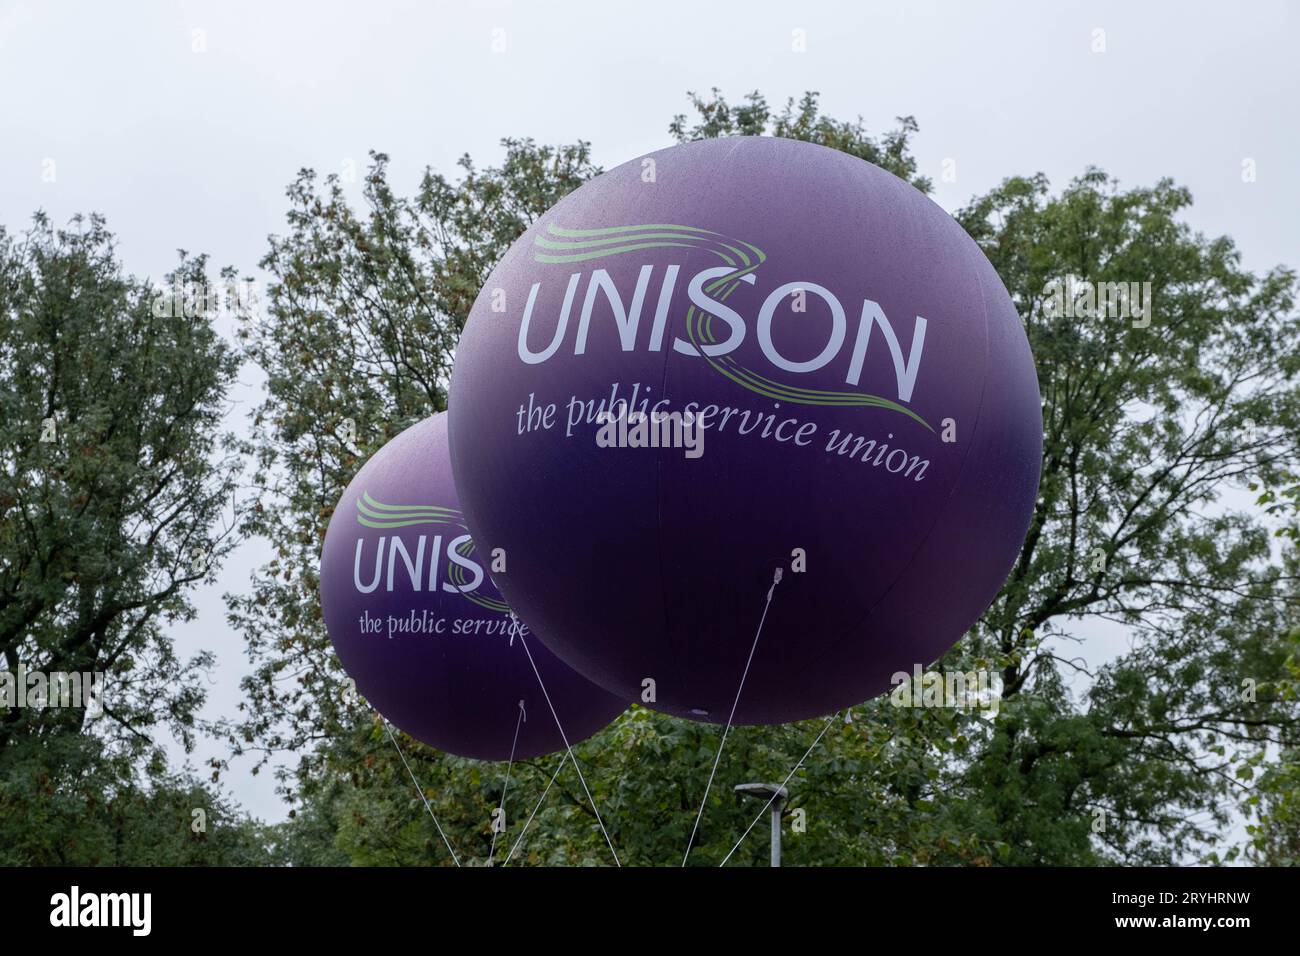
[
  {"x": 586, "y": 256},
  {"x": 379, "y": 506}
]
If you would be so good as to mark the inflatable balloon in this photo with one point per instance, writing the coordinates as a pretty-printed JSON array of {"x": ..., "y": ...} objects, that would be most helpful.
[
  {"x": 811, "y": 368},
  {"x": 419, "y": 626}
]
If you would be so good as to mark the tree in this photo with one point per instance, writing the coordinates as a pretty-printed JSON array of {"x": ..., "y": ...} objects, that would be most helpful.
[
  {"x": 1275, "y": 802},
  {"x": 65, "y": 802},
  {"x": 1149, "y": 419},
  {"x": 113, "y": 490},
  {"x": 716, "y": 117},
  {"x": 1146, "y": 426}
]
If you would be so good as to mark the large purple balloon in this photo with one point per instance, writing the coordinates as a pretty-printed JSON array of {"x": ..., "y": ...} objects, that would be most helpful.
[
  {"x": 869, "y": 395},
  {"x": 419, "y": 626}
]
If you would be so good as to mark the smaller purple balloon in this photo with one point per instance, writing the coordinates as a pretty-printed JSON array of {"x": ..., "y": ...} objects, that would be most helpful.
[{"x": 419, "y": 625}]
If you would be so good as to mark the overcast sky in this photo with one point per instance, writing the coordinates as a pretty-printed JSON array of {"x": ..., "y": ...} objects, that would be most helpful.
[{"x": 184, "y": 122}]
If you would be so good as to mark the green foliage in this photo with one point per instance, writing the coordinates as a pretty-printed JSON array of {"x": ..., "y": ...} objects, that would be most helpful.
[
  {"x": 1146, "y": 427},
  {"x": 115, "y": 499},
  {"x": 63, "y": 803},
  {"x": 716, "y": 117},
  {"x": 648, "y": 774},
  {"x": 1275, "y": 801}
]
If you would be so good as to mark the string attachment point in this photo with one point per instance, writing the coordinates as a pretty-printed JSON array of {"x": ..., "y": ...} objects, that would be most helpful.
[{"x": 776, "y": 579}]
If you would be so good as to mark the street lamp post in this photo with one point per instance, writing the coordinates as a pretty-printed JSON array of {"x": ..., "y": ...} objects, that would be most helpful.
[{"x": 776, "y": 795}]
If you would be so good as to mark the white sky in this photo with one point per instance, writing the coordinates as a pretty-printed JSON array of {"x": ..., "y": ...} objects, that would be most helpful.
[{"x": 186, "y": 149}]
